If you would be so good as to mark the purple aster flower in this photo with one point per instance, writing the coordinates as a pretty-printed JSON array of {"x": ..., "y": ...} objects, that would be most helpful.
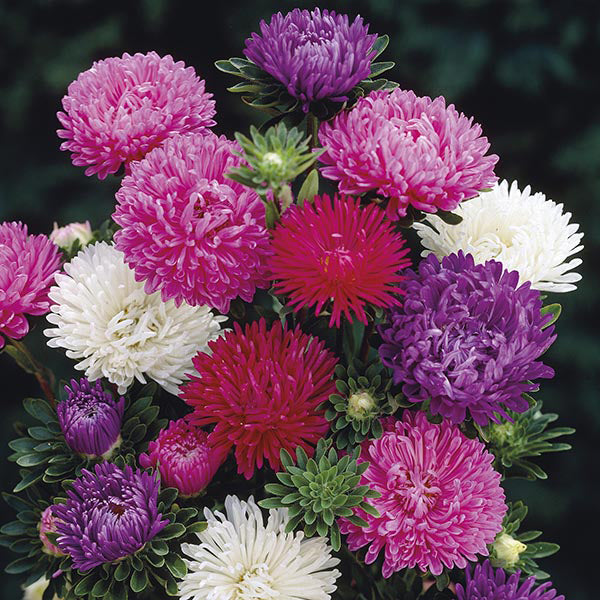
[
  {"x": 110, "y": 513},
  {"x": 90, "y": 418},
  {"x": 317, "y": 55},
  {"x": 467, "y": 338},
  {"x": 487, "y": 583}
]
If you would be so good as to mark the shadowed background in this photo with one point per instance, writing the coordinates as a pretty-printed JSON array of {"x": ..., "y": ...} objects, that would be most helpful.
[{"x": 527, "y": 70}]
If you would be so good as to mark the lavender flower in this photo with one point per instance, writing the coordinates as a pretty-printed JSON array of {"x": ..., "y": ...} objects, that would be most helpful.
[
  {"x": 316, "y": 55},
  {"x": 109, "y": 514},
  {"x": 486, "y": 583},
  {"x": 90, "y": 418},
  {"x": 467, "y": 338}
]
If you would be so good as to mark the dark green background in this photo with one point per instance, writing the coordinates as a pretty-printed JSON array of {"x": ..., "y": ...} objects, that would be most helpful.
[{"x": 526, "y": 69}]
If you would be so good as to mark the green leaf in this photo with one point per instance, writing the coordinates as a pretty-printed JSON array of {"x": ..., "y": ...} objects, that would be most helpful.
[
  {"x": 40, "y": 409},
  {"x": 176, "y": 566},
  {"x": 227, "y": 67},
  {"x": 100, "y": 588},
  {"x": 381, "y": 67},
  {"x": 138, "y": 582},
  {"x": 168, "y": 495},
  {"x": 85, "y": 585},
  {"x": 21, "y": 565},
  {"x": 22, "y": 444},
  {"x": 14, "y": 528},
  {"x": 449, "y": 217},
  {"x": 380, "y": 45},
  {"x": 197, "y": 527},
  {"x": 310, "y": 187},
  {"x": 122, "y": 571},
  {"x": 270, "y": 503},
  {"x": 171, "y": 531},
  {"x": 542, "y": 549},
  {"x": 32, "y": 460},
  {"x": 554, "y": 310}
]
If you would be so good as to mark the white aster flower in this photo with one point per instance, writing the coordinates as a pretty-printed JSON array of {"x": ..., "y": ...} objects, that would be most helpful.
[
  {"x": 524, "y": 231},
  {"x": 36, "y": 590},
  {"x": 239, "y": 558},
  {"x": 106, "y": 320}
]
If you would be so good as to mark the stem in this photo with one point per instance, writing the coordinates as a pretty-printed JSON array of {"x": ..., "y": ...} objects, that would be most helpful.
[
  {"x": 339, "y": 338},
  {"x": 312, "y": 130},
  {"x": 364, "y": 347},
  {"x": 44, "y": 376}
]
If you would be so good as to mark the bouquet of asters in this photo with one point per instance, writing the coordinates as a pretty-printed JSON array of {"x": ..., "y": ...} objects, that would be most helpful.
[{"x": 275, "y": 401}]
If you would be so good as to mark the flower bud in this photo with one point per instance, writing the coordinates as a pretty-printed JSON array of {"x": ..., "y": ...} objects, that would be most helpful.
[
  {"x": 48, "y": 525},
  {"x": 64, "y": 237},
  {"x": 506, "y": 550}
]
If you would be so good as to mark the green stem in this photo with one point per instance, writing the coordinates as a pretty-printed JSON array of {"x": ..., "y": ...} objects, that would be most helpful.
[
  {"x": 312, "y": 130},
  {"x": 364, "y": 347},
  {"x": 44, "y": 376}
]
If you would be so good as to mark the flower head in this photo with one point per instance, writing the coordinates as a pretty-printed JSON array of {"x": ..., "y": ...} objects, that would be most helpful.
[
  {"x": 184, "y": 456},
  {"x": 121, "y": 108},
  {"x": 90, "y": 418},
  {"x": 105, "y": 319},
  {"x": 48, "y": 525},
  {"x": 28, "y": 264},
  {"x": 487, "y": 583},
  {"x": 441, "y": 501},
  {"x": 239, "y": 556},
  {"x": 334, "y": 250},
  {"x": 316, "y": 55},
  {"x": 467, "y": 338},
  {"x": 64, "y": 237},
  {"x": 262, "y": 388},
  {"x": 110, "y": 513},
  {"x": 524, "y": 231},
  {"x": 412, "y": 150},
  {"x": 506, "y": 550},
  {"x": 187, "y": 230}
]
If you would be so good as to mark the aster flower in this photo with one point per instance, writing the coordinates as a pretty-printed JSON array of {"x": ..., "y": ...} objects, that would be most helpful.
[
  {"x": 441, "y": 501},
  {"x": 262, "y": 388},
  {"x": 187, "y": 230},
  {"x": 334, "y": 250},
  {"x": 486, "y": 583},
  {"x": 110, "y": 513},
  {"x": 90, "y": 418},
  {"x": 467, "y": 339},
  {"x": 121, "y": 108},
  {"x": 412, "y": 150},
  {"x": 105, "y": 319},
  {"x": 525, "y": 232},
  {"x": 240, "y": 557},
  {"x": 65, "y": 237},
  {"x": 28, "y": 264},
  {"x": 184, "y": 456},
  {"x": 316, "y": 55},
  {"x": 48, "y": 525}
]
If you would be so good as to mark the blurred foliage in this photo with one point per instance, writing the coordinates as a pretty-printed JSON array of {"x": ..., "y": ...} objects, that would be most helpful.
[{"x": 527, "y": 71}]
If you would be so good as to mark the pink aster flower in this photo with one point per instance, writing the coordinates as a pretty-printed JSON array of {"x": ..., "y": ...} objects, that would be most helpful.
[
  {"x": 262, "y": 389},
  {"x": 28, "y": 264},
  {"x": 187, "y": 230},
  {"x": 121, "y": 108},
  {"x": 441, "y": 501},
  {"x": 412, "y": 150},
  {"x": 335, "y": 250},
  {"x": 46, "y": 525},
  {"x": 185, "y": 457}
]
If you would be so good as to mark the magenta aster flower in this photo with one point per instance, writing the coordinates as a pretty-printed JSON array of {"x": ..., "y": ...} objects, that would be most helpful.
[
  {"x": 121, "y": 108},
  {"x": 467, "y": 338},
  {"x": 412, "y": 150},
  {"x": 262, "y": 389},
  {"x": 334, "y": 250},
  {"x": 90, "y": 418},
  {"x": 441, "y": 501},
  {"x": 316, "y": 55},
  {"x": 185, "y": 457},
  {"x": 110, "y": 513},
  {"x": 28, "y": 264},
  {"x": 187, "y": 230},
  {"x": 48, "y": 525},
  {"x": 487, "y": 583}
]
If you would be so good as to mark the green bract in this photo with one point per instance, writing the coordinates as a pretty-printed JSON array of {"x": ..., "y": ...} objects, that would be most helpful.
[
  {"x": 319, "y": 490},
  {"x": 44, "y": 455},
  {"x": 364, "y": 395},
  {"x": 527, "y": 436}
]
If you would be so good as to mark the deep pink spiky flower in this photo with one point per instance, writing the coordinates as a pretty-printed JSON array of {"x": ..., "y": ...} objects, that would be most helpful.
[
  {"x": 28, "y": 264},
  {"x": 121, "y": 108},
  {"x": 262, "y": 389},
  {"x": 334, "y": 250},
  {"x": 187, "y": 230},
  {"x": 441, "y": 501},
  {"x": 412, "y": 150},
  {"x": 184, "y": 456}
]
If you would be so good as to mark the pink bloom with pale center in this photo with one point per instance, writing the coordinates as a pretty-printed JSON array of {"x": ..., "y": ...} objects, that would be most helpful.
[
  {"x": 121, "y": 108},
  {"x": 262, "y": 389},
  {"x": 187, "y": 230},
  {"x": 334, "y": 250},
  {"x": 441, "y": 500},
  {"x": 412, "y": 150},
  {"x": 28, "y": 264},
  {"x": 48, "y": 525},
  {"x": 185, "y": 457}
]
